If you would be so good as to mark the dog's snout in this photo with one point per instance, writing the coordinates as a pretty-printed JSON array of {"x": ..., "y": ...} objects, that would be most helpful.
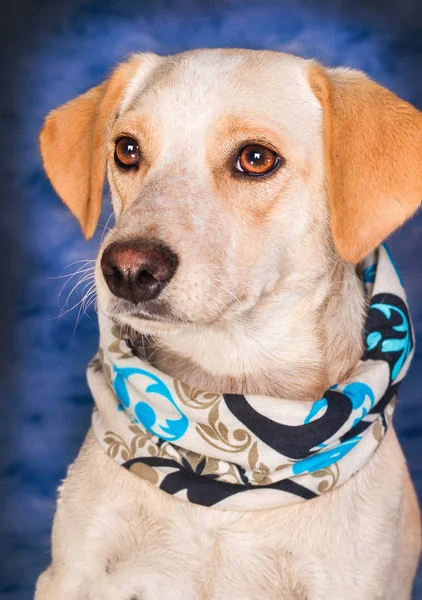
[{"x": 138, "y": 270}]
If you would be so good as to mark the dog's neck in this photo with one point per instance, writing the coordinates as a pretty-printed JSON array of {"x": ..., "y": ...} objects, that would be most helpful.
[{"x": 293, "y": 344}]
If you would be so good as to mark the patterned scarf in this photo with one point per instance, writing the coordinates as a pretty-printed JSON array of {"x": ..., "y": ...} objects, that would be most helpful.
[{"x": 249, "y": 452}]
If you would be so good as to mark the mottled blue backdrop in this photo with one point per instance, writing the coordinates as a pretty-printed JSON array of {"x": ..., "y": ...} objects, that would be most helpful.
[{"x": 52, "y": 50}]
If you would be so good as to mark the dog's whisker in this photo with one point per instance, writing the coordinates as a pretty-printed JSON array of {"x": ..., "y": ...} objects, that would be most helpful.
[
  {"x": 70, "y": 275},
  {"x": 65, "y": 312},
  {"x": 90, "y": 290},
  {"x": 75, "y": 262},
  {"x": 106, "y": 228},
  {"x": 83, "y": 261},
  {"x": 91, "y": 294},
  {"x": 88, "y": 277},
  {"x": 81, "y": 272},
  {"x": 221, "y": 287},
  {"x": 90, "y": 285},
  {"x": 213, "y": 302}
]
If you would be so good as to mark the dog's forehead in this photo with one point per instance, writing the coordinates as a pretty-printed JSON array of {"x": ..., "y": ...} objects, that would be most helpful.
[{"x": 202, "y": 86}]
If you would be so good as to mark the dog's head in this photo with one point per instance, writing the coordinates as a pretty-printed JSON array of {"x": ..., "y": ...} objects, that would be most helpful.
[{"x": 232, "y": 174}]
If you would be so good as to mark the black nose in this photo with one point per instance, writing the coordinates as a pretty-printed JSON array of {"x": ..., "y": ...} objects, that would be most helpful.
[{"x": 138, "y": 270}]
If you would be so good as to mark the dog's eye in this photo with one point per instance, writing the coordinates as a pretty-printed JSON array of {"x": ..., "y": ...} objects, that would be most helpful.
[
  {"x": 256, "y": 160},
  {"x": 127, "y": 153}
]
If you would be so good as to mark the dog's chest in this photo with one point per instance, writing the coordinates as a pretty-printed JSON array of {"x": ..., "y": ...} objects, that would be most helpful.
[
  {"x": 146, "y": 558},
  {"x": 117, "y": 537}
]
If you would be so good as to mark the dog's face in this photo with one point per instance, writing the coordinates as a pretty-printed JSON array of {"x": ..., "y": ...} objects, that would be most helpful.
[
  {"x": 220, "y": 163},
  {"x": 233, "y": 175}
]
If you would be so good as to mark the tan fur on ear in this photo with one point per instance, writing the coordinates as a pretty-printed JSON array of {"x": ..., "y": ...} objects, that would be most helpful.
[
  {"x": 374, "y": 159},
  {"x": 73, "y": 145}
]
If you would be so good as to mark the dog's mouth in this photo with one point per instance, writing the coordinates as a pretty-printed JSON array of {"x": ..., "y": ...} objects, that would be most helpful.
[
  {"x": 158, "y": 311},
  {"x": 158, "y": 315}
]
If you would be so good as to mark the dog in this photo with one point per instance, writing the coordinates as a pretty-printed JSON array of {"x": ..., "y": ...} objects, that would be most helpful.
[{"x": 249, "y": 185}]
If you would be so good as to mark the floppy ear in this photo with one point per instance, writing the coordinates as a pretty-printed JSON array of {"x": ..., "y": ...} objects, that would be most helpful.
[
  {"x": 374, "y": 158},
  {"x": 73, "y": 145}
]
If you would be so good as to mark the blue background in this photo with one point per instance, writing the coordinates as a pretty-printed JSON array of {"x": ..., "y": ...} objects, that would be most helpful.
[{"x": 50, "y": 52}]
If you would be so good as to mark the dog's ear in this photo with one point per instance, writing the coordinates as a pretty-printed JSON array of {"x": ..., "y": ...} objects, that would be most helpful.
[
  {"x": 73, "y": 145},
  {"x": 373, "y": 146}
]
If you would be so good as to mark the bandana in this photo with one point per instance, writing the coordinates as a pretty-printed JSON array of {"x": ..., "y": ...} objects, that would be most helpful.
[{"x": 250, "y": 452}]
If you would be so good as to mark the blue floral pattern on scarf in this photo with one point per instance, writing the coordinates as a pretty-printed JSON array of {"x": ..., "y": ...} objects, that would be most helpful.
[
  {"x": 324, "y": 459},
  {"x": 401, "y": 345},
  {"x": 173, "y": 429},
  {"x": 389, "y": 335}
]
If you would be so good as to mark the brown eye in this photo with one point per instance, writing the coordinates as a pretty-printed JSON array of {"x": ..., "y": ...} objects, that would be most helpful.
[
  {"x": 127, "y": 153},
  {"x": 257, "y": 160}
]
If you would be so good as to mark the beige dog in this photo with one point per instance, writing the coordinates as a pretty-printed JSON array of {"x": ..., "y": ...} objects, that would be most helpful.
[{"x": 270, "y": 178}]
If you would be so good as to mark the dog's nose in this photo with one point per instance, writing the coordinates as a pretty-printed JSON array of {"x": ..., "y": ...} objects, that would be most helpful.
[{"x": 138, "y": 270}]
